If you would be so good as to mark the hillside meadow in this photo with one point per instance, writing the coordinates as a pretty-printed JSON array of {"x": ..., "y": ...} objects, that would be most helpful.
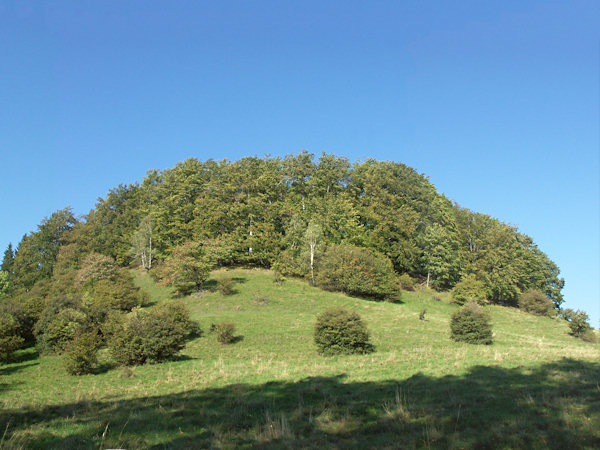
[{"x": 535, "y": 387}]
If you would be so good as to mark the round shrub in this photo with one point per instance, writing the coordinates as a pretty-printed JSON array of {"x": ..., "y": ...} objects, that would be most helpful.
[
  {"x": 62, "y": 320},
  {"x": 10, "y": 340},
  {"x": 471, "y": 324},
  {"x": 24, "y": 321},
  {"x": 578, "y": 322},
  {"x": 536, "y": 302},
  {"x": 151, "y": 335},
  {"x": 95, "y": 267},
  {"x": 341, "y": 332},
  {"x": 589, "y": 336},
  {"x": 225, "y": 332},
  {"x": 120, "y": 292},
  {"x": 81, "y": 354},
  {"x": 178, "y": 313},
  {"x": 469, "y": 289},
  {"x": 357, "y": 271}
]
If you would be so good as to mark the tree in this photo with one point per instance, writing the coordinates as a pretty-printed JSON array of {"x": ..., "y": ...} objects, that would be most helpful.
[
  {"x": 141, "y": 243},
  {"x": 357, "y": 271},
  {"x": 469, "y": 289},
  {"x": 7, "y": 262},
  {"x": 4, "y": 284},
  {"x": 187, "y": 268},
  {"x": 440, "y": 256},
  {"x": 312, "y": 237},
  {"x": 35, "y": 257}
]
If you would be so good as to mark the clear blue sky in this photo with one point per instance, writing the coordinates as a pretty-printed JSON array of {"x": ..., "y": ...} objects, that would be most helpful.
[{"x": 497, "y": 102}]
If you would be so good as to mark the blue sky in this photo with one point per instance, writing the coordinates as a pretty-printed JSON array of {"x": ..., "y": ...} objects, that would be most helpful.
[{"x": 497, "y": 102}]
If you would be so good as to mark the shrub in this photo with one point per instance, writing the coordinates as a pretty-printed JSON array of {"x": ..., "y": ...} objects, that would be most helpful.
[
  {"x": 10, "y": 340},
  {"x": 24, "y": 321},
  {"x": 225, "y": 331},
  {"x": 471, "y": 324},
  {"x": 357, "y": 271},
  {"x": 589, "y": 336},
  {"x": 536, "y": 302},
  {"x": 180, "y": 315},
  {"x": 120, "y": 292},
  {"x": 187, "y": 268},
  {"x": 469, "y": 289},
  {"x": 341, "y": 332},
  {"x": 81, "y": 354},
  {"x": 61, "y": 321},
  {"x": 406, "y": 282},
  {"x": 422, "y": 314},
  {"x": 226, "y": 286},
  {"x": 578, "y": 323},
  {"x": 95, "y": 267},
  {"x": 148, "y": 335}
]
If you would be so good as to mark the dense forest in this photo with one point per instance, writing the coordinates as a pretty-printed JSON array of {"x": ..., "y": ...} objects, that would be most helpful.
[
  {"x": 285, "y": 214},
  {"x": 370, "y": 229}
]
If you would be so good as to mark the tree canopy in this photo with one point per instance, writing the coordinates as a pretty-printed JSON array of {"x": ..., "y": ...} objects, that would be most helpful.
[{"x": 286, "y": 212}]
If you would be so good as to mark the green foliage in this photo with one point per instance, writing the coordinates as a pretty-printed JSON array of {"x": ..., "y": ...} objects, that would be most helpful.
[
  {"x": 283, "y": 213},
  {"x": 471, "y": 324},
  {"x": 187, "y": 268},
  {"x": 119, "y": 292},
  {"x": 357, "y": 271},
  {"x": 406, "y": 282},
  {"x": 179, "y": 314},
  {"x": 61, "y": 321},
  {"x": 439, "y": 247},
  {"x": 7, "y": 260},
  {"x": 338, "y": 331},
  {"x": 4, "y": 284},
  {"x": 589, "y": 336},
  {"x": 226, "y": 286},
  {"x": 578, "y": 322},
  {"x": 225, "y": 332},
  {"x": 95, "y": 267},
  {"x": 81, "y": 354},
  {"x": 152, "y": 335},
  {"x": 35, "y": 257},
  {"x": 469, "y": 289},
  {"x": 141, "y": 243},
  {"x": 535, "y": 302},
  {"x": 10, "y": 339},
  {"x": 24, "y": 321}
]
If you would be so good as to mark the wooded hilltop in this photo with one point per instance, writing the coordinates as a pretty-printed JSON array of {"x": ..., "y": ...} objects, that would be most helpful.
[{"x": 285, "y": 213}]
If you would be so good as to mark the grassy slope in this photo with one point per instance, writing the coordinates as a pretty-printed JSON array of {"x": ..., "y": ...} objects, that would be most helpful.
[{"x": 535, "y": 386}]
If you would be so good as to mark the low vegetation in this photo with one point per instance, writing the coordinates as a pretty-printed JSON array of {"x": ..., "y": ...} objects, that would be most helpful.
[
  {"x": 535, "y": 384},
  {"x": 338, "y": 331},
  {"x": 471, "y": 324}
]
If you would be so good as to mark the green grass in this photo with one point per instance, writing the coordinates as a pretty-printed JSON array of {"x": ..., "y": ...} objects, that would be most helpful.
[{"x": 536, "y": 386}]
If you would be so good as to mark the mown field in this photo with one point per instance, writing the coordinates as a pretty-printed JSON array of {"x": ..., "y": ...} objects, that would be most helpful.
[{"x": 535, "y": 387}]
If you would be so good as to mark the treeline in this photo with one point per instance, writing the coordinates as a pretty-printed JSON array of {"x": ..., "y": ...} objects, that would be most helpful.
[{"x": 286, "y": 213}]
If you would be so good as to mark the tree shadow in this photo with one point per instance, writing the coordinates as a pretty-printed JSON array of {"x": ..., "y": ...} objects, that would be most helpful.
[
  {"x": 24, "y": 355},
  {"x": 552, "y": 406},
  {"x": 15, "y": 368}
]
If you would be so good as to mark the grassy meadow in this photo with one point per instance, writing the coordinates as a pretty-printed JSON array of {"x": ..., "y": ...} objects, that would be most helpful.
[{"x": 535, "y": 387}]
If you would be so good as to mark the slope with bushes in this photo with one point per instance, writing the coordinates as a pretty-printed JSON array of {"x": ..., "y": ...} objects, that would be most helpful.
[{"x": 271, "y": 387}]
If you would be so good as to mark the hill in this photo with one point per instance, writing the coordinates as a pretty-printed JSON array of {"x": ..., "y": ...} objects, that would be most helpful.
[{"x": 536, "y": 386}]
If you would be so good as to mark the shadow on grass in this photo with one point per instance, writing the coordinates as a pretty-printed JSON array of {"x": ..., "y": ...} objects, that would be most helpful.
[
  {"x": 12, "y": 369},
  {"x": 553, "y": 406}
]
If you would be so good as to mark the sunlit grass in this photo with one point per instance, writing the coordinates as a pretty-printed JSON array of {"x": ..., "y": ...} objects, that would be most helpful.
[{"x": 275, "y": 323}]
